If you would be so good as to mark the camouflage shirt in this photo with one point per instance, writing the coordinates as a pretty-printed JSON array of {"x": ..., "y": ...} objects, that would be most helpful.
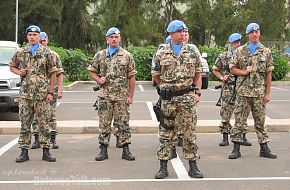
[
  {"x": 39, "y": 66},
  {"x": 117, "y": 70},
  {"x": 222, "y": 65},
  {"x": 176, "y": 72},
  {"x": 57, "y": 62},
  {"x": 253, "y": 84}
]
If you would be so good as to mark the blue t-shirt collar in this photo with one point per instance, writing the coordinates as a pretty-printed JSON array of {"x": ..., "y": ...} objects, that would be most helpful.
[
  {"x": 253, "y": 47},
  {"x": 113, "y": 51},
  {"x": 176, "y": 48},
  {"x": 33, "y": 48}
]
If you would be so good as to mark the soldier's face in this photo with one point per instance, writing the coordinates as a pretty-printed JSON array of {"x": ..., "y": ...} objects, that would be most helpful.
[
  {"x": 186, "y": 36},
  {"x": 236, "y": 44},
  {"x": 254, "y": 36},
  {"x": 44, "y": 42},
  {"x": 33, "y": 37},
  {"x": 114, "y": 40},
  {"x": 178, "y": 36}
]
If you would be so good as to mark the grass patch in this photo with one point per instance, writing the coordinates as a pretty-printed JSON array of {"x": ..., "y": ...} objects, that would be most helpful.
[
  {"x": 286, "y": 78},
  {"x": 66, "y": 82}
]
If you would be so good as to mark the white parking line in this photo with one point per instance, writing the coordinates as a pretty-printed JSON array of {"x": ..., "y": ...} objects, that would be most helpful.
[
  {"x": 150, "y": 107},
  {"x": 8, "y": 146},
  {"x": 108, "y": 181},
  {"x": 179, "y": 168},
  {"x": 277, "y": 88},
  {"x": 141, "y": 88}
]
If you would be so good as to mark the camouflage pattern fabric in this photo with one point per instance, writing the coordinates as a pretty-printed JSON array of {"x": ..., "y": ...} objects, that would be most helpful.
[
  {"x": 117, "y": 71},
  {"x": 52, "y": 119},
  {"x": 227, "y": 100},
  {"x": 261, "y": 61},
  {"x": 119, "y": 110},
  {"x": 33, "y": 92},
  {"x": 250, "y": 93},
  {"x": 113, "y": 94},
  {"x": 177, "y": 73},
  {"x": 243, "y": 107}
]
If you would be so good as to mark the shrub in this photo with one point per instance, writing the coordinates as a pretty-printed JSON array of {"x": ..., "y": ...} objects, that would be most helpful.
[
  {"x": 280, "y": 63},
  {"x": 143, "y": 57},
  {"x": 74, "y": 62}
]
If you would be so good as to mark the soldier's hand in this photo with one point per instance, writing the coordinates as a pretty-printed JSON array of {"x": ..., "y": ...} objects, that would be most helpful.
[
  {"x": 59, "y": 94},
  {"x": 249, "y": 69},
  {"x": 129, "y": 100},
  {"x": 267, "y": 98},
  {"x": 196, "y": 97},
  {"x": 22, "y": 72},
  {"x": 225, "y": 78},
  {"x": 49, "y": 98},
  {"x": 102, "y": 80}
]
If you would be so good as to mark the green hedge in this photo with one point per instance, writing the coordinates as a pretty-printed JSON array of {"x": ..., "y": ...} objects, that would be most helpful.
[
  {"x": 76, "y": 61},
  {"x": 143, "y": 57}
]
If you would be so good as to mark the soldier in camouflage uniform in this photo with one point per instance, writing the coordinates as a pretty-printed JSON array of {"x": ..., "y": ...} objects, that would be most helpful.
[
  {"x": 114, "y": 70},
  {"x": 35, "y": 64},
  {"x": 175, "y": 68},
  {"x": 221, "y": 70},
  {"x": 252, "y": 63},
  {"x": 57, "y": 95}
]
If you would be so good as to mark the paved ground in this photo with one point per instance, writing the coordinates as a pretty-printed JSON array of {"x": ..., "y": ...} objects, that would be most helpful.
[{"x": 75, "y": 167}]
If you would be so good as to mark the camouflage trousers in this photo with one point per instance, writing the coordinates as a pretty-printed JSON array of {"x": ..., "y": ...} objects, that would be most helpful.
[
  {"x": 226, "y": 112},
  {"x": 180, "y": 115},
  {"x": 243, "y": 107},
  {"x": 37, "y": 110},
  {"x": 119, "y": 112},
  {"x": 51, "y": 120}
]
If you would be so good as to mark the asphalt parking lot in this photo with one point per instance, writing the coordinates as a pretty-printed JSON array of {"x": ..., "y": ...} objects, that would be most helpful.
[{"x": 76, "y": 168}]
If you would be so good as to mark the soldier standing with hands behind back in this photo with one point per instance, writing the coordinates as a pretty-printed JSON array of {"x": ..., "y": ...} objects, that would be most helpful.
[
  {"x": 35, "y": 64},
  {"x": 253, "y": 65},
  {"x": 175, "y": 68},
  {"x": 114, "y": 70},
  {"x": 222, "y": 71}
]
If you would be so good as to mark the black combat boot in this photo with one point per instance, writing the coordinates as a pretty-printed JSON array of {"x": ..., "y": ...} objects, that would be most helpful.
[
  {"x": 23, "y": 156},
  {"x": 163, "y": 172},
  {"x": 47, "y": 156},
  {"x": 173, "y": 153},
  {"x": 36, "y": 143},
  {"x": 193, "y": 170},
  {"x": 236, "y": 152},
  {"x": 266, "y": 152},
  {"x": 245, "y": 141},
  {"x": 103, "y": 154},
  {"x": 52, "y": 139},
  {"x": 127, "y": 154},
  {"x": 118, "y": 143},
  {"x": 180, "y": 141},
  {"x": 225, "y": 141}
]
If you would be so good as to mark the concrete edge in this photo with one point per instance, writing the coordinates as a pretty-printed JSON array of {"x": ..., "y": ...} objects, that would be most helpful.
[
  {"x": 141, "y": 126},
  {"x": 211, "y": 83}
]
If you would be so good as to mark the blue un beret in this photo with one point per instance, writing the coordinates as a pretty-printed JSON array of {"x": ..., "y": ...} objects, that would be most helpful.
[
  {"x": 32, "y": 28},
  {"x": 43, "y": 35},
  {"x": 251, "y": 27},
  {"x": 176, "y": 25},
  {"x": 235, "y": 37},
  {"x": 167, "y": 40},
  {"x": 113, "y": 30}
]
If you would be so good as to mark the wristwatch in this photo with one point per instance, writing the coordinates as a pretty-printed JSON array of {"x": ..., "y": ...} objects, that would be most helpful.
[
  {"x": 222, "y": 78},
  {"x": 50, "y": 93},
  {"x": 198, "y": 93}
]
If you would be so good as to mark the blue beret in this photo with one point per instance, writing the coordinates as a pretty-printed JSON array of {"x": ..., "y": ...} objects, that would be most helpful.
[
  {"x": 251, "y": 27},
  {"x": 43, "y": 35},
  {"x": 32, "y": 28},
  {"x": 235, "y": 37},
  {"x": 168, "y": 39},
  {"x": 113, "y": 30},
  {"x": 176, "y": 25}
]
